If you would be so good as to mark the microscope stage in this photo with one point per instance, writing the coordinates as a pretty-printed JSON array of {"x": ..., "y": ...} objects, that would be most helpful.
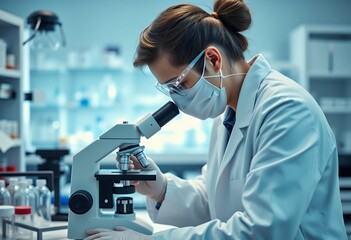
[{"x": 116, "y": 174}]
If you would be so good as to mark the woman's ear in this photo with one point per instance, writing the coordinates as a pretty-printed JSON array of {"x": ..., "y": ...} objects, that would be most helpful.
[{"x": 214, "y": 58}]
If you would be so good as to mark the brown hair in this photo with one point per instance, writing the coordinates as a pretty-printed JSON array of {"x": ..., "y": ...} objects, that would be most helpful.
[{"x": 185, "y": 30}]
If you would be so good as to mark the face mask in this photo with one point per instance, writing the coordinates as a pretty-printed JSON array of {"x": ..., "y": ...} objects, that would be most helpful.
[{"x": 204, "y": 100}]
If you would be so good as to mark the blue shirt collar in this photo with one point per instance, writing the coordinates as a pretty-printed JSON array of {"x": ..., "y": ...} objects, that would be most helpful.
[{"x": 229, "y": 119}]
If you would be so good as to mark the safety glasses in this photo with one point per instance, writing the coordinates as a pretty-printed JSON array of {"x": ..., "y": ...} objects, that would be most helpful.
[{"x": 176, "y": 86}]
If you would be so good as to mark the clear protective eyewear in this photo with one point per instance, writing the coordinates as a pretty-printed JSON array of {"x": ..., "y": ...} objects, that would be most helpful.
[{"x": 175, "y": 86}]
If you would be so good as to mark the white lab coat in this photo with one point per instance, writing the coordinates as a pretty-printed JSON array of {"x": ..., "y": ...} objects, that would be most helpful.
[{"x": 274, "y": 177}]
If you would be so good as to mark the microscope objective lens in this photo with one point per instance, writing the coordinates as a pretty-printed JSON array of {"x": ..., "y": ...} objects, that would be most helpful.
[
  {"x": 139, "y": 154},
  {"x": 142, "y": 160},
  {"x": 124, "y": 162}
]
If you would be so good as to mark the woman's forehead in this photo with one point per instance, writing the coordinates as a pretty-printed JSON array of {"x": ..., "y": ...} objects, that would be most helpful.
[{"x": 163, "y": 70}]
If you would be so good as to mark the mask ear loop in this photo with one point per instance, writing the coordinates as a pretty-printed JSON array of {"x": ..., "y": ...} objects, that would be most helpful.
[
  {"x": 204, "y": 67},
  {"x": 221, "y": 76}
]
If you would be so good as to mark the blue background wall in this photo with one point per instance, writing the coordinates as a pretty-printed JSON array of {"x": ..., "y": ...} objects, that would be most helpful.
[{"x": 91, "y": 22}]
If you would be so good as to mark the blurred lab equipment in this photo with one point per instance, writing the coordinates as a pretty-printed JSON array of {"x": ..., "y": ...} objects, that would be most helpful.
[
  {"x": 44, "y": 202},
  {"x": 91, "y": 202},
  {"x": 111, "y": 57},
  {"x": 53, "y": 161},
  {"x": 10, "y": 61},
  {"x": 5, "y": 198},
  {"x": 3, "y": 47},
  {"x": 23, "y": 216},
  {"x": 36, "y": 226},
  {"x": 12, "y": 188},
  {"x": 9, "y": 128},
  {"x": 43, "y": 35},
  {"x": 6, "y": 91},
  {"x": 7, "y": 212},
  {"x": 23, "y": 196},
  {"x": 33, "y": 190}
]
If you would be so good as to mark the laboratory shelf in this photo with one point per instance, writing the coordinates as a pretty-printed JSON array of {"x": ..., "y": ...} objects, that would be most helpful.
[
  {"x": 346, "y": 196},
  {"x": 67, "y": 70},
  {"x": 11, "y": 108},
  {"x": 329, "y": 76},
  {"x": 346, "y": 207},
  {"x": 345, "y": 182},
  {"x": 94, "y": 108},
  {"x": 73, "y": 107},
  {"x": 95, "y": 69},
  {"x": 336, "y": 110},
  {"x": 45, "y": 107},
  {"x": 10, "y": 73}
]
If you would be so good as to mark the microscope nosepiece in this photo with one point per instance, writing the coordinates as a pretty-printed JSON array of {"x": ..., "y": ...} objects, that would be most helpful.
[{"x": 137, "y": 151}]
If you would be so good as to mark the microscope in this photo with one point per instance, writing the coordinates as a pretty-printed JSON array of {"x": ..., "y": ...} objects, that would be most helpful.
[{"x": 91, "y": 203}]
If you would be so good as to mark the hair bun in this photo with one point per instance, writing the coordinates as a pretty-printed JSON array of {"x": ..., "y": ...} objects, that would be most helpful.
[{"x": 234, "y": 14}]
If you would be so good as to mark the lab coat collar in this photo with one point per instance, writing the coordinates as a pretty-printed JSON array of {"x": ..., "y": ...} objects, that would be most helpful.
[{"x": 259, "y": 69}]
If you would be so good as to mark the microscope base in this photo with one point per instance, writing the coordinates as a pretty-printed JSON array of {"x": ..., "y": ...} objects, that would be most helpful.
[{"x": 109, "y": 221}]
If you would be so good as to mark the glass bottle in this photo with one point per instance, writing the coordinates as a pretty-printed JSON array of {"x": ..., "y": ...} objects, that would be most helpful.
[
  {"x": 7, "y": 213},
  {"x": 23, "y": 216},
  {"x": 5, "y": 198},
  {"x": 44, "y": 203},
  {"x": 23, "y": 196},
  {"x": 35, "y": 202},
  {"x": 12, "y": 187}
]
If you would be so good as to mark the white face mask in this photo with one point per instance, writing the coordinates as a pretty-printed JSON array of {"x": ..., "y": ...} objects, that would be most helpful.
[{"x": 204, "y": 100}]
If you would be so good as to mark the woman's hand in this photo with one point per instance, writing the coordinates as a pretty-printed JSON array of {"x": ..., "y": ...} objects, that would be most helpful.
[
  {"x": 152, "y": 189},
  {"x": 118, "y": 233}
]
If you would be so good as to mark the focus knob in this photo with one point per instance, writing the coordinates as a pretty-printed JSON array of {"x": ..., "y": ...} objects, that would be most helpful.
[
  {"x": 124, "y": 205},
  {"x": 80, "y": 202}
]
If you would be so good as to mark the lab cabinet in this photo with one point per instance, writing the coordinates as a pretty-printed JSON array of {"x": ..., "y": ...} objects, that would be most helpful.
[
  {"x": 11, "y": 93},
  {"x": 327, "y": 54},
  {"x": 322, "y": 55}
]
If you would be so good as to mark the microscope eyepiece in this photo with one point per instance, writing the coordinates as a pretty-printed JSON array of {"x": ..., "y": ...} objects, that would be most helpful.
[
  {"x": 166, "y": 113},
  {"x": 151, "y": 124}
]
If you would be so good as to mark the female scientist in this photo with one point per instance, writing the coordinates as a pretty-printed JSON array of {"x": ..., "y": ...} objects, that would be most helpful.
[{"x": 272, "y": 168}]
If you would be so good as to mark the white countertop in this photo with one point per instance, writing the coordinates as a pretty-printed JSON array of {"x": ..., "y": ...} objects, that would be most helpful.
[{"x": 62, "y": 234}]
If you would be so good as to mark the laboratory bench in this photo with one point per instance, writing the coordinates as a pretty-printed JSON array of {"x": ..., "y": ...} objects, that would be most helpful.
[{"x": 62, "y": 234}]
